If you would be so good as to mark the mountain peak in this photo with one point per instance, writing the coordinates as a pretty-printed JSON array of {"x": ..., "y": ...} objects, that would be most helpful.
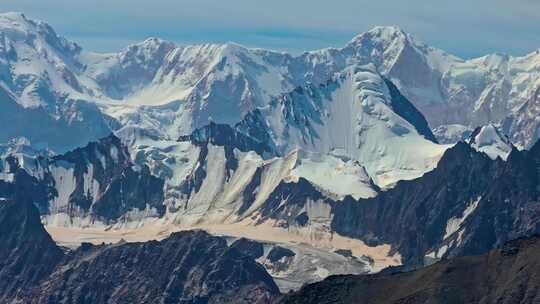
[
  {"x": 389, "y": 30},
  {"x": 388, "y": 47},
  {"x": 382, "y": 33},
  {"x": 232, "y": 49},
  {"x": 148, "y": 48},
  {"x": 152, "y": 43},
  {"x": 489, "y": 140},
  {"x": 17, "y": 27},
  {"x": 13, "y": 23},
  {"x": 13, "y": 16}
]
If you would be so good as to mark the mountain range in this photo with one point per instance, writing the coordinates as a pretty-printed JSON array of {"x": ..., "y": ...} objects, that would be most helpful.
[
  {"x": 187, "y": 267},
  {"x": 384, "y": 153},
  {"x": 181, "y": 88}
]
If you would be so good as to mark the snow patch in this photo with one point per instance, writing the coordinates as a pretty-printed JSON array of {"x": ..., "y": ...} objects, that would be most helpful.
[
  {"x": 490, "y": 141},
  {"x": 454, "y": 223},
  {"x": 90, "y": 184},
  {"x": 65, "y": 184},
  {"x": 7, "y": 177},
  {"x": 335, "y": 175}
]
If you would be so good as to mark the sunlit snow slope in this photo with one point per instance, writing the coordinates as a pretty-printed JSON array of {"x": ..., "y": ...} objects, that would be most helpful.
[{"x": 243, "y": 142}]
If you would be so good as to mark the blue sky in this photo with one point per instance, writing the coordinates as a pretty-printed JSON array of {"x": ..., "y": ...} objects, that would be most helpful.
[{"x": 467, "y": 28}]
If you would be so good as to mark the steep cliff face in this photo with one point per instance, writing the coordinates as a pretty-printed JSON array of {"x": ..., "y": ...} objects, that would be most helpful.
[
  {"x": 106, "y": 184},
  {"x": 98, "y": 182},
  {"x": 506, "y": 275},
  {"x": 404, "y": 108},
  {"x": 28, "y": 255}
]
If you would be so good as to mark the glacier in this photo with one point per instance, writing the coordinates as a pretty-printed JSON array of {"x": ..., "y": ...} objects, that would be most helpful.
[{"x": 244, "y": 142}]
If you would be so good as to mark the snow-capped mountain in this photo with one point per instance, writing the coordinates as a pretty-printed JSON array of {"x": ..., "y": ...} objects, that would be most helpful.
[
  {"x": 490, "y": 140},
  {"x": 357, "y": 115},
  {"x": 40, "y": 88},
  {"x": 172, "y": 90},
  {"x": 251, "y": 143},
  {"x": 448, "y": 90}
]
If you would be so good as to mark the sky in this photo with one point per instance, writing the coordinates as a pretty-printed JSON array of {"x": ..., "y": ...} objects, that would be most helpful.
[{"x": 466, "y": 28}]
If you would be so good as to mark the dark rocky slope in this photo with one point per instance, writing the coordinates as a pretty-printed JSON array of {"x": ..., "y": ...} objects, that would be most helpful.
[
  {"x": 28, "y": 255},
  {"x": 248, "y": 135},
  {"x": 187, "y": 267},
  {"x": 509, "y": 275},
  {"x": 490, "y": 202}
]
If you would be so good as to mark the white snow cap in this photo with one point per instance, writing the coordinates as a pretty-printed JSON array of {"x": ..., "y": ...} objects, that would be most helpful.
[
  {"x": 489, "y": 140},
  {"x": 386, "y": 33}
]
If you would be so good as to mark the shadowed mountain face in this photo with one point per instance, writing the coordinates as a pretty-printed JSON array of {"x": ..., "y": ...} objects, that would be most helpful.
[
  {"x": 468, "y": 205},
  {"x": 187, "y": 267},
  {"x": 507, "y": 275},
  {"x": 404, "y": 108},
  {"x": 116, "y": 180},
  {"x": 27, "y": 254}
]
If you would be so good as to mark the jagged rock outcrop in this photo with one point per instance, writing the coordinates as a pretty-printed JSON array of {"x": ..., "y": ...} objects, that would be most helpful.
[
  {"x": 106, "y": 183},
  {"x": 98, "y": 181},
  {"x": 255, "y": 139},
  {"x": 187, "y": 267},
  {"x": 249, "y": 247}
]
